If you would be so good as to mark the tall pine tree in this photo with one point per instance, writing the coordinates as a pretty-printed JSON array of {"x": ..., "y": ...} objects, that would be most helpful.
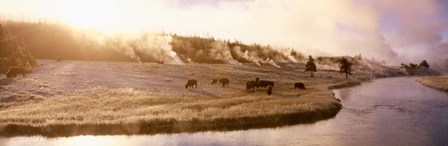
[
  {"x": 13, "y": 52},
  {"x": 345, "y": 66},
  {"x": 424, "y": 63},
  {"x": 310, "y": 66}
]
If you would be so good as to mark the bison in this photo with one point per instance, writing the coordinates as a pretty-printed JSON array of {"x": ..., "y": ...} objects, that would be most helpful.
[
  {"x": 269, "y": 90},
  {"x": 265, "y": 84},
  {"x": 191, "y": 84},
  {"x": 224, "y": 81},
  {"x": 251, "y": 85},
  {"x": 299, "y": 85},
  {"x": 14, "y": 71},
  {"x": 214, "y": 81}
]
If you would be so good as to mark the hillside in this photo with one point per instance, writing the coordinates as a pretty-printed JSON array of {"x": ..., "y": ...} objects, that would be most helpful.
[{"x": 52, "y": 41}]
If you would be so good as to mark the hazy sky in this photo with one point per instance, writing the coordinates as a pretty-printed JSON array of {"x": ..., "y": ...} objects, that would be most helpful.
[{"x": 385, "y": 29}]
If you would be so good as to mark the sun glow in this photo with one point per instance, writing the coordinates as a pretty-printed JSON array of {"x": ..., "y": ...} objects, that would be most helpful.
[
  {"x": 346, "y": 27},
  {"x": 98, "y": 15}
]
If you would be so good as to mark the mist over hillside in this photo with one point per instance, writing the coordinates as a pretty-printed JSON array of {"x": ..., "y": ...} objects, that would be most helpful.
[
  {"x": 52, "y": 41},
  {"x": 55, "y": 41}
]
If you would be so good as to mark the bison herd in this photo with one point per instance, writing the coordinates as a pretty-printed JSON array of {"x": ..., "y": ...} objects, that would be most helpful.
[{"x": 250, "y": 85}]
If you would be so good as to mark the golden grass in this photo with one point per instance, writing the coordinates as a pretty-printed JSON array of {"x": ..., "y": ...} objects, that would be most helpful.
[
  {"x": 439, "y": 82},
  {"x": 169, "y": 107}
]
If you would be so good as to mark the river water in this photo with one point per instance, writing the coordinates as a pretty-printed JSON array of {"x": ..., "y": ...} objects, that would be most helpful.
[{"x": 392, "y": 111}]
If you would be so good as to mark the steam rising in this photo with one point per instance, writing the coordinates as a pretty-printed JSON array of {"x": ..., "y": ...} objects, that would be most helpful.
[
  {"x": 149, "y": 47},
  {"x": 174, "y": 49},
  {"x": 383, "y": 29},
  {"x": 220, "y": 51},
  {"x": 247, "y": 55}
]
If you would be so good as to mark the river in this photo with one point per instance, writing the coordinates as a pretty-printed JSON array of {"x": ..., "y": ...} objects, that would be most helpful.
[{"x": 392, "y": 111}]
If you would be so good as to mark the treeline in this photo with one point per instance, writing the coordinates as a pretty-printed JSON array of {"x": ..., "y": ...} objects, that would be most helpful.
[
  {"x": 209, "y": 50},
  {"x": 52, "y": 41},
  {"x": 418, "y": 69},
  {"x": 14, "y": 53},
  {"x": 332, "y": 60},
  {"x": 345, "y": 66}
]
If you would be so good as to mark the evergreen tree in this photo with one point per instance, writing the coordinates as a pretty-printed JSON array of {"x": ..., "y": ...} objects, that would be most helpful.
[
  {"x": 310, "y": 66},
  {"x": 411, "y": 69},
  {"x": 13, "y": 52},
  {"x": 345, "y": 66},
  {"x": 424, "y": 63}
]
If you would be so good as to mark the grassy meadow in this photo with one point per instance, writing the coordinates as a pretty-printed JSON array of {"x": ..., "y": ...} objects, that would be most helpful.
[
  {"x": 81, "y": 97},
  {"x": 437, "y": 82}
]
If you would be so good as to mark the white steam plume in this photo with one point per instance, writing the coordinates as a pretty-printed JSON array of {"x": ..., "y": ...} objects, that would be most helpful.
[
  {"x": 220, "y": 51},
  {"x": 156, "y": 47},
  {"x": 247, "y": 55}
]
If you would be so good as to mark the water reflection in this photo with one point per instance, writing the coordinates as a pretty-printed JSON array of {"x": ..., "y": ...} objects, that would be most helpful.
[{"x": 395, "y": 111}]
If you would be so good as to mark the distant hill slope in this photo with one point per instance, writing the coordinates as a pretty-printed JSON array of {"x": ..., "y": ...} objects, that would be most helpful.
[
  {"x": 364, "y": 68},
  {"x": 51, "y": 41}
]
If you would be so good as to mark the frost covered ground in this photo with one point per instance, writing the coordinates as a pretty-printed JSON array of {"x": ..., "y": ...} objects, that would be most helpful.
[{"x": 81, "y": 97}]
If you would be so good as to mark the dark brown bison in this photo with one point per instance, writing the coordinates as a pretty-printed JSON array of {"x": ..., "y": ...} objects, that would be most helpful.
[
  {"x": 214, "y": 81},
  {"x": 191, "y": 84},
  {"x": 265, "y": 84},
  {"x": 299, "y": 85},
  {"x": 251, "y": 85},
  {"x": 269, "y": 90},
  {"x": 224, "y": 81},
  {"x": 14, "y": 71}
]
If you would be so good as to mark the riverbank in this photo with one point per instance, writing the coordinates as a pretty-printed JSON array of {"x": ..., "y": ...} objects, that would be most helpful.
[
  {"x": 100, "y": 98},
  {"x": 438, "y": 82}
]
